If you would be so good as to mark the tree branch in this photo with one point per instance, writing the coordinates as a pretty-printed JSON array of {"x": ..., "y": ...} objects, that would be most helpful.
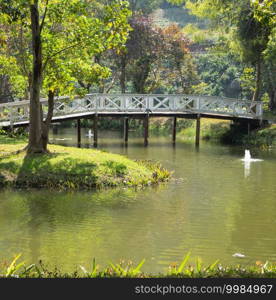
[
  {"x": 44, "y": 17},
  {"x": 57, "y": 53},
  {"x": 21, "y": 50}
]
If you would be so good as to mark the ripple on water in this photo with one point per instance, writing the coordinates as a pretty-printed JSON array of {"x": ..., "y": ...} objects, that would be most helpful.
[{"x": 210, "y": 209}]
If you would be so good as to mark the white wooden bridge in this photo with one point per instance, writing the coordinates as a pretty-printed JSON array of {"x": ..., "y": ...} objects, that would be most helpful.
[
  {"x": 135, "y": 105},
  {"x": 16, "y": 113}
]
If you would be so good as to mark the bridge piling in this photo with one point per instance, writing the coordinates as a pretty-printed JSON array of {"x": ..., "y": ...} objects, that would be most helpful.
[
  {"x": 95, "y": 129},
  {"x": 126, "y": 127},
  {"x": 174, "y": 130},
  {"x": 55, "y": 129},
  {"x": 146, "y": 130},
  {"x": 197, "y": 131},
  {"x": 79, "y": 132}
]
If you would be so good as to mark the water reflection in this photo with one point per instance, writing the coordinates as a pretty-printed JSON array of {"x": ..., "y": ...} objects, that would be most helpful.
[
  {"x": 247, "y": 168},
  {"x": 215, "y": 206}
]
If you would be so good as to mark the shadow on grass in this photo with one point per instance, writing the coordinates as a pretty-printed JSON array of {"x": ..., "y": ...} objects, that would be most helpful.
[
  {"x": 53, "y": 170},
  {"x": 50, "y": 170}
]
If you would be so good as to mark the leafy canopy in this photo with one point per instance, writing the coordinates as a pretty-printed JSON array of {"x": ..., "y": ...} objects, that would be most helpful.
[{"x": 72, "y": 33}]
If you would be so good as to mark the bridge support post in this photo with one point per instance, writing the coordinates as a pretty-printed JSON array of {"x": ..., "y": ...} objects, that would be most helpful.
[
  {"x": 248, "y": 128},
  {"x": 197, "y": 131},
  {"x": 174, "y": 130},
  {"x": 95, "y": 129},
  {"x": 79, "y": 132},
  {"x": 55, "y": 129},
  {"x": 126, "y": 126},
  {"x": 146, "y": 130}
]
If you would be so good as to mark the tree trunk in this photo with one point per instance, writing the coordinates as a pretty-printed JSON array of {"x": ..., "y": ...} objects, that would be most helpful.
[
  {"x": 258, "y": 81},
  {"x": 47, "y": 122},
  {"x": 271, "y": 90},
  {"x": 123, "y": 74},
  {"x": 35, "y": 136},
  {"x": 272, "y": 100},
  {"x": 143, "y": 68}
]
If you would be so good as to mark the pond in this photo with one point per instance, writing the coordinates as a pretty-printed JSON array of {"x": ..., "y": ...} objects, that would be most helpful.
[{"x": 214, "y": 206}]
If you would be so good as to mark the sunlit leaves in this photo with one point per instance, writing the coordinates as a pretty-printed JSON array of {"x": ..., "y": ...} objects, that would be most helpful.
[
  {"x": 265, "y": 10},
  {"x": 73, "y": 32}
]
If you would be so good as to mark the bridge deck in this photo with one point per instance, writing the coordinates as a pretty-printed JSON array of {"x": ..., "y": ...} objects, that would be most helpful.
[{"x": 109, "y": 105}]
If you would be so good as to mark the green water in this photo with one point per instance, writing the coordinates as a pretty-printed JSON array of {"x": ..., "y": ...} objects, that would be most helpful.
[{"x": 214, "y": 206}]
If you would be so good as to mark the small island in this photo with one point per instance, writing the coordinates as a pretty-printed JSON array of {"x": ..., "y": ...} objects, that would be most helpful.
[{"x": 72, "y": 168}]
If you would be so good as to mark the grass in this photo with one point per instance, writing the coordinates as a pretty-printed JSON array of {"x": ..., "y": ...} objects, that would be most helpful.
[
  {"x": 129, "y": 270},
  {"x": 221, "y": 131},
  {"x": 211, "y": 129},
  {"x": 73, "y": 168}
]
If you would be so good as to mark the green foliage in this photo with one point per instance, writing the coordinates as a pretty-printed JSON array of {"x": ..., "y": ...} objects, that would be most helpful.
[
  {"x": 164, "y": 126},
  {"x": 9, "y": 67},
  {"x": 169, "y": 14},
  {"x": 174, "y": 271},
  {"x": 128, "y": 270},
  {"x": 270, "y": 52},
  {"x": 264, "y": 11},
  {"x": 116, "y": 169},
  {"x": 198, "y": 35},
  {"x": 247, "y": 82},
  {"x": 219, "y": 73},
  {"x": 265, "y": 101},
  {"x": 252, "y": 35},
  {"x": 13, "y": 267},
  {"x": 201, "y": 88},
  {"x": 263, "y": 138},
  {"x": 221, "y": 131},
  {"x": 72, "y": 33},
  {"x": 213, "y": 130},
  {"x": 159, "y": 173},
  {"x": 236, "y": 135},
  {"x": 144, "y": 6}
]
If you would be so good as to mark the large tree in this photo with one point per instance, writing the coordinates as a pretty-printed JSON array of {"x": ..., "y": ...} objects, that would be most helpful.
[
  {"x": 155, "y": 60},
  {"x": 58, "y": 33},
  {"x": 249, "y": 25},
  {"x": 264, "y": 12}
]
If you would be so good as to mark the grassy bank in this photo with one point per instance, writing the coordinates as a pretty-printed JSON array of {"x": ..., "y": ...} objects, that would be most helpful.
[
  {"x": 223, "y": 132},
  {"x": 15, "y": 268},
  {"x": 211, "y": 129},
  {"x": 73, "y": 168},
  {"x": 265, "y": 137}
]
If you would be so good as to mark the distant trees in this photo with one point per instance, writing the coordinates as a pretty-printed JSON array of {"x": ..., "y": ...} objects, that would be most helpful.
[
  {"x": 248, "y": 28},
  {"x": 144, "y": 6},
  {"x": 179, "y": 70},
  {"x": 153, "y": 60},
  {"x": 143, "y": 50}
]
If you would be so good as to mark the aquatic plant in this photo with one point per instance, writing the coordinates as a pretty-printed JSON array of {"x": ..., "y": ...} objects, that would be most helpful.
[{"x": 128, "y": 269}]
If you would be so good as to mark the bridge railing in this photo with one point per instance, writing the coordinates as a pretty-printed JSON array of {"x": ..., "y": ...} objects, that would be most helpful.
[
  {"x": 171, "y": 103},
  {"x": 19, "y": 111}
]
